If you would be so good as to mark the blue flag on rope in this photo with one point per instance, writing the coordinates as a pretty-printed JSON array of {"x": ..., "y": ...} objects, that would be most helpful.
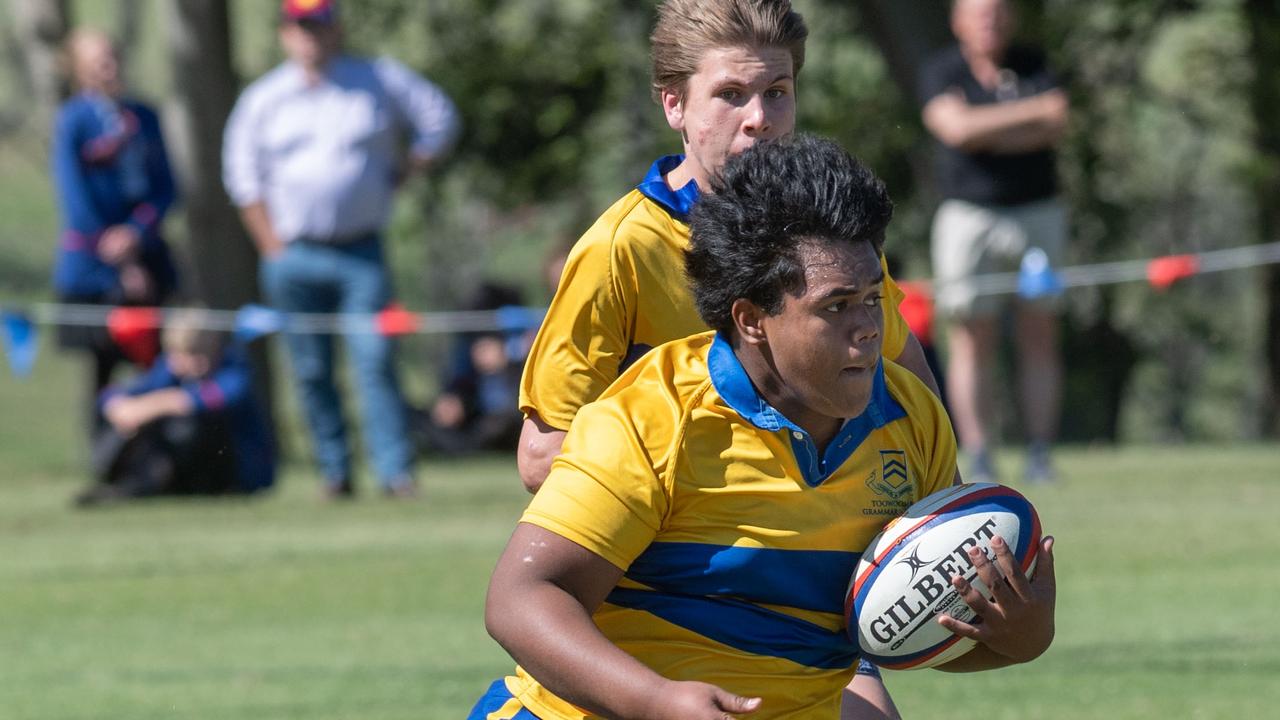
[
  {"x": 19, "y": 342},
  {"x": 514, "y": 318},
  {"x": 1036, "y": 278},
  {"x": 254, "y": 321}
]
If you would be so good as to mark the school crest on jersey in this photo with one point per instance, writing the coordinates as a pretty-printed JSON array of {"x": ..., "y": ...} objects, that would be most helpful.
[{"x": 893, "y": 480}]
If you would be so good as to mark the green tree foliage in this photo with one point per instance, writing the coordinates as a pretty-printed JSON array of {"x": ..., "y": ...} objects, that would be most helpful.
[
  {"x": 1162, "y": 158},
  {"x": 1158, "y": 164}
]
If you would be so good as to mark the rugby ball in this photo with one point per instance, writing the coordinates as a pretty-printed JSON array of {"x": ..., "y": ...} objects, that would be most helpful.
[{"x": 903, "y": 580}]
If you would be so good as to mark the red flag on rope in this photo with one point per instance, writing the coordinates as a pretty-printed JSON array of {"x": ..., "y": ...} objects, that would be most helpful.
[
  {"x": 1162, "y": 272},
  {"x": 395, "y": 320},
  {"x": 917, "y": 309},
  {"x": 136, "y": 330}
]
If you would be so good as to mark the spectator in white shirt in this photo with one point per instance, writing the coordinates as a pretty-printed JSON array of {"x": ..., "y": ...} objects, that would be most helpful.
[{"x": 312, "y": 156}]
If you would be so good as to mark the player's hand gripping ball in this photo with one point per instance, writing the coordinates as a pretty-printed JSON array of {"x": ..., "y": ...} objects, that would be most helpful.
[{"x": 904, "y": 578}]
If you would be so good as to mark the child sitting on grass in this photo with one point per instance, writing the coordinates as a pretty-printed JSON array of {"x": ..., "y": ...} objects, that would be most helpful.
[{"x": 188, "y": 426}]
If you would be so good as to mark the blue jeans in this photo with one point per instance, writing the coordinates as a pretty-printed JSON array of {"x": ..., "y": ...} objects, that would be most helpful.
[{"x": 347, "y": 278}]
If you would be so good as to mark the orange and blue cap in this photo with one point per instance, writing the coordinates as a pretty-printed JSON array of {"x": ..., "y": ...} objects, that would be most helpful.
[{"x": 316, "y": 11}]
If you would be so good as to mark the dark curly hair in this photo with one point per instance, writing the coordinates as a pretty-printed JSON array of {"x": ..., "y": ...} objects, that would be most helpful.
[{"x": 767, "y": 202}]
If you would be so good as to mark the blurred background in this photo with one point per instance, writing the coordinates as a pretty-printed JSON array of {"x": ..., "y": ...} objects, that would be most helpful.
[
  {"x": 1172, "y": 149},
  {"x": 292, "y": 608}
]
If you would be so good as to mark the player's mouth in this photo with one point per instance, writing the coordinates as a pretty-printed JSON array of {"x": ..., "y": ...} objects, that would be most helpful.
[{"x": 857, "y": 370}]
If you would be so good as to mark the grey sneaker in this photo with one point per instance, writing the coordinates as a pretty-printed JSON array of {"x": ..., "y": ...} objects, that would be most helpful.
[
  {"x": 982, "y": 469},
  {"x": 1039, "y": 470},
  {"x": 402, "y": 488}
]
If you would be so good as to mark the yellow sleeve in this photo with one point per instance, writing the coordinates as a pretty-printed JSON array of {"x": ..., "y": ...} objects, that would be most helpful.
[
  {"x": 604, "y": 491},
  {"x": 930, "y": 439},
  {"x": 895, "y": 326},
  {"x": 586, "y": 333},
  {"x": 934, "y": 436}
]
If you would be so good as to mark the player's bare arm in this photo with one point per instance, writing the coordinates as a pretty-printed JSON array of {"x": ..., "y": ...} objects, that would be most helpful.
[
  {"x": 866, "y": 698},
  {"x": 539, "y": 609},
  {"x": 1018, "y": 623}
]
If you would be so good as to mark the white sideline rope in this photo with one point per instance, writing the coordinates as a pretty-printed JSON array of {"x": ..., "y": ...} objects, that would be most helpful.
[{"x": 518, "y": 318}]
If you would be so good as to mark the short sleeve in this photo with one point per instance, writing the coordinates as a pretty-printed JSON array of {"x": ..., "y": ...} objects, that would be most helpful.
[
  {"x": 423, "y": 105},
  {"x": 938, "y": 442},
  {"x": 604, "y": 492},
  {"x": 585, "y": 335},
  {"x": 935, "y": 77},
  {"x": 895, "y": 326}
]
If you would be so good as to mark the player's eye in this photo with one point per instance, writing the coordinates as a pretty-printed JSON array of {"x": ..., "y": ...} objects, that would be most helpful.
[
  {"x": 837, "y": 306},
  {"x": 775, "y": 92},
  {"x": 729, "y": 95},
  {"x": 873, "y": 300}
]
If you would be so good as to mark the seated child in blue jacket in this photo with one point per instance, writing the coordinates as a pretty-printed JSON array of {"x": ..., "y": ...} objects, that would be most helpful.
[{"x": 188, "y": 426}]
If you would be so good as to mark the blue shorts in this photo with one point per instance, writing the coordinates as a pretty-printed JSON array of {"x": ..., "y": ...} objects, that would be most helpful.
[{"x": 499, "y": 704}]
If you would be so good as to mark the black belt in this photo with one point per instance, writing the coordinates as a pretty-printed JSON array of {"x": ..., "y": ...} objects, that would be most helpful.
[{"x": 352, "y": 239}]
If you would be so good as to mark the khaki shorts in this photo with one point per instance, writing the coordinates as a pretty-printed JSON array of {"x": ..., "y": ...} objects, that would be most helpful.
[{"x": 971, "y": 239}]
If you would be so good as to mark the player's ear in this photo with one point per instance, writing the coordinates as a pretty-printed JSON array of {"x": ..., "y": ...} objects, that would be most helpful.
[
  {"x": 748, "y": 318},
  {"x": 673, "y": 107}
]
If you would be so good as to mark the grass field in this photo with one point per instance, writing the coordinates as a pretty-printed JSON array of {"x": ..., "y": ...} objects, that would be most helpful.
[{"x": 288, "y": 608}]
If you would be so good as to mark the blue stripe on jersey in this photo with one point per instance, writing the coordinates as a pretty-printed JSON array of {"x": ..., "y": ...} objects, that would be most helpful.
[
  {"x": 807, "y": 579},
  {"x": 746, "y": 627},
  {"x": 735, "y": 386},
  {"x": 634, "y": 353},
  {"x": 654, "y": 186}
]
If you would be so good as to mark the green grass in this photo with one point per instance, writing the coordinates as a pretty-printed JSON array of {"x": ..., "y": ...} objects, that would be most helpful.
[{"x": 288, "y": 608}]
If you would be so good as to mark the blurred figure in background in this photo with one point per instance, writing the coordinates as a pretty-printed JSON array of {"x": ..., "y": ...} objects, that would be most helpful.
[
  {"x": 312, "y": 156},
  {"x": 114, "y": 186},
  {"x": 477, "y": 407},
  {"x": 997, "y": 112},
  {"x": 188, "y": 426}
]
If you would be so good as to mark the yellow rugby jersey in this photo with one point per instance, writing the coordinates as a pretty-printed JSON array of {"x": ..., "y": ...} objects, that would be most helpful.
[
  {"x": 623, "y": 292},
  {"x": 738, "y": 538}
]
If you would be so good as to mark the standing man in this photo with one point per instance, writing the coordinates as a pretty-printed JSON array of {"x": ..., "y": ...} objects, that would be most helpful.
[
  {"x": 312, "y": 155},
  {"x": 997, "y": 113}
]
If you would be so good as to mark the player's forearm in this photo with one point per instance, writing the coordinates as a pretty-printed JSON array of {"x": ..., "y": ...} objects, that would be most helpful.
[
  {"x": 551, "y": 635},
  {"x": 976, "y": 660}
]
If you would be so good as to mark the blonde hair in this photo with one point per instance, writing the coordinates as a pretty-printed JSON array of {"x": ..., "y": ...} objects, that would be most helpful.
[
  {"x": 189, "y": 331},
  {"x": 687, "y": 29}
]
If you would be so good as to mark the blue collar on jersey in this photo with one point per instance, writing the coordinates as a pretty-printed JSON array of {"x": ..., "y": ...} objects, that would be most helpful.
[
  {"x": 654, "y": 186},
  {"x": 734, "y": 385}
]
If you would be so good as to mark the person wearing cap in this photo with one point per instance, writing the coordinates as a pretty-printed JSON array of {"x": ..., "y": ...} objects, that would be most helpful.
[{"x": 312, "y": 155}]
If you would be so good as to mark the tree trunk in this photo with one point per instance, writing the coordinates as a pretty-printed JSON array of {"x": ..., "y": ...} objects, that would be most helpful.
[
  {"x": 223, "y": 268},
  {"x": 41, "y": 28},
  {"x": 223, "y": 261},
  {"x": 1264, "y": 25},
  {"x": 906, "y": 34},
  {"x": 128, "y": 27}
]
